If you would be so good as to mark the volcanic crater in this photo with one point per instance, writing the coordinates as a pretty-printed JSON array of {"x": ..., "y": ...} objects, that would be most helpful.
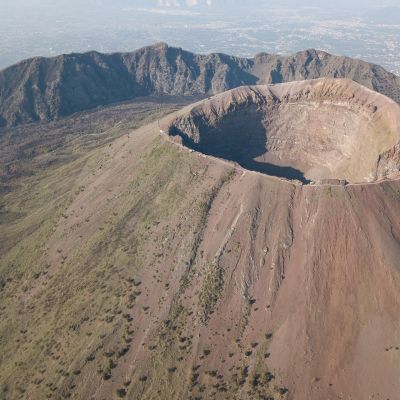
[{"x": 315, "y": 131}]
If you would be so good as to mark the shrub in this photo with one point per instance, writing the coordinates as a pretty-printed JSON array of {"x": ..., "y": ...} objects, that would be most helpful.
[
  {"x": 121, "y": 392},
  {"x": 268, "y": 335}
]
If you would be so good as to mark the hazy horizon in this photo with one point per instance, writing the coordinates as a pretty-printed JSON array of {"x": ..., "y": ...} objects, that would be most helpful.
[{"x": 357, "y": 28}]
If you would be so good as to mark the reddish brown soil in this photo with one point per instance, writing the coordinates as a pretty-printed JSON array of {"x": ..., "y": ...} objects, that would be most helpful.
[
  {"x": 264, "y": 275},
  {"x": 316, "y": 266}
]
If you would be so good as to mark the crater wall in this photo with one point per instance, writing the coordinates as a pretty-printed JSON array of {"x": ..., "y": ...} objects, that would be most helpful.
[{"x": 314, "y": 130}]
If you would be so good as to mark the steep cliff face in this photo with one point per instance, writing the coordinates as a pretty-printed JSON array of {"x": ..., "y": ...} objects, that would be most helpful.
[{"x": 43, "y": 89}]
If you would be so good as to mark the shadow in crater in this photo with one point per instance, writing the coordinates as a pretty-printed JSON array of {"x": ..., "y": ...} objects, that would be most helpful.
[
  {"x": 240, "y": 137},
  {"x": 275, "y": 170}
]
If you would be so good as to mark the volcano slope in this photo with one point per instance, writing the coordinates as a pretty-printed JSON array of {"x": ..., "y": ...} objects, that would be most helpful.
[{"x": 146, "y": 270}]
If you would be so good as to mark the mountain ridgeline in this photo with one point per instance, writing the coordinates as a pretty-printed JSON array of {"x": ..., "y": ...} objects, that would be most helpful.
[{"x": 45, "y": 89}]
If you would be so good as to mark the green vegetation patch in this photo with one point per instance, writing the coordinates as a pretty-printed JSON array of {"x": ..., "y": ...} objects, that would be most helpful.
[{"x": 211, "y": 290}]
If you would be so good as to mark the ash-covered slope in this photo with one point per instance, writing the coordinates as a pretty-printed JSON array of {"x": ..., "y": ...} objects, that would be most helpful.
[
  {"x": 143, "y": 270},
  {"x": 42, "y": 89},
  {"x": 309, "y": 130}
]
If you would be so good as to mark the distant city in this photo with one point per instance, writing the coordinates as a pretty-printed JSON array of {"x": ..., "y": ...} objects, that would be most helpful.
[{"x": 371, "y": 34}]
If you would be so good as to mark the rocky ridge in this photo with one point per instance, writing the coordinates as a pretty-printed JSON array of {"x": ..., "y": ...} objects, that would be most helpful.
[{"x": 44, "y": 89}]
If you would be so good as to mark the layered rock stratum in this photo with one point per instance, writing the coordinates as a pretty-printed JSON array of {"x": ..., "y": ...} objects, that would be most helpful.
[{"x": 316, "y": 130}]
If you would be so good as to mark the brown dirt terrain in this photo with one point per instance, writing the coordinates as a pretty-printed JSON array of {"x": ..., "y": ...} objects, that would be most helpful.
[{"x": 162, "y": 273}]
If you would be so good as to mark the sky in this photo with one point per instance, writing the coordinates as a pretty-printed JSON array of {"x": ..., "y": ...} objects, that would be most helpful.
[
  {"x": 361, "y": 28},
  {"x": 24, "y": 6}
]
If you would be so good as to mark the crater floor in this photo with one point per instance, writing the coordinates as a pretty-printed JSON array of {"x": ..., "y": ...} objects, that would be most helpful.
[{"x": 318, "y": 130}]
